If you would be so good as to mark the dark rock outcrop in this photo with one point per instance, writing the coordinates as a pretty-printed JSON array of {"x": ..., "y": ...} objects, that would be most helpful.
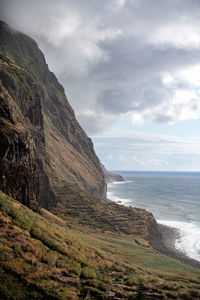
[
  {"x": 23, "y": 92},
  {"x": 19, "y": 173}
]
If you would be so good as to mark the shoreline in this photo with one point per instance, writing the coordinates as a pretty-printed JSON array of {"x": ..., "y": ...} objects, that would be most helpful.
[{"x": 164, "y": 243}]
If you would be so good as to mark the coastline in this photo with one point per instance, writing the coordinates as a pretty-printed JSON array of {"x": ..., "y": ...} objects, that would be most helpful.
[{"x": 164, "y": 242}]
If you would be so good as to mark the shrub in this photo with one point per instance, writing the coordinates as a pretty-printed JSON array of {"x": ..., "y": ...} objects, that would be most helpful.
[{"x": 88, "y": 273}]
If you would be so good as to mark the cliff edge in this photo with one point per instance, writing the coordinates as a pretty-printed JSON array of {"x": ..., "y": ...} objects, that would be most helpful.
[{"x": 111, "y": 177}]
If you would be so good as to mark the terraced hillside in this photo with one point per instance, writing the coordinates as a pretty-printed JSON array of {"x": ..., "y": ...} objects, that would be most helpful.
[{"x": 44, "y": 257}]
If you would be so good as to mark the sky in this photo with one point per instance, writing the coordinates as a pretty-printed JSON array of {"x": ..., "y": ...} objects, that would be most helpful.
[{"x": 131, "y": 71}]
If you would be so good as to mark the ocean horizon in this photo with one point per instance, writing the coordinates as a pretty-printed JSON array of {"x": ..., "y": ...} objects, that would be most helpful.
[{"x": 173, "y": 197}]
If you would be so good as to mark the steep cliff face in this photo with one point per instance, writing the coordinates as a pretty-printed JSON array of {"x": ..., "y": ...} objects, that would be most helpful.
[
  {"x": 22, "y": 138},
  {"x": 19, "y": 174},
  {"x": 63, "y": 150}
]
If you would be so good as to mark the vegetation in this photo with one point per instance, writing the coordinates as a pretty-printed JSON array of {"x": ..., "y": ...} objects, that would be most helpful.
[{"x": 42, "y": 257}]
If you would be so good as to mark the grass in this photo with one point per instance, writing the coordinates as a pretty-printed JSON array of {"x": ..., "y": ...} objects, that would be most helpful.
[
  {"x": 18, "y": 217},
  {"x": 43, "y": 258},
  {"x": 37, "y": 233}
]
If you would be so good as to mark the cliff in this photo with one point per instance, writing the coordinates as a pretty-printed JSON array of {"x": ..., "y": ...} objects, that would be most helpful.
[
  {"x": 111, "y": 177},
  {"x": 19, "y": 170},
  {"x": 22, "y": 174},
  {"x": 61, "y": 148}
]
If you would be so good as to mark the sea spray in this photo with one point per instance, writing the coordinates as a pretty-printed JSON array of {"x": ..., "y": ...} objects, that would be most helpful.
[{"x": 188, "y": 240}]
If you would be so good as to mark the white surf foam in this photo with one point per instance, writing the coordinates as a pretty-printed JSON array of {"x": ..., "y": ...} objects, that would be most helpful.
[
  {"x": 112, "y": 197},
  {"x": 118, "y": 182},
  {"x": 189, "y": 239}
]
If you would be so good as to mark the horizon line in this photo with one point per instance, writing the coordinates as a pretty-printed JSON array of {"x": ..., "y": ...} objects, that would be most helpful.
[{"x": 153, "y": 171}]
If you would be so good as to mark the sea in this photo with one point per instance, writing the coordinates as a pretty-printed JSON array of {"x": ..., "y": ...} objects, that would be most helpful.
[{"x": 172, "y": 197}]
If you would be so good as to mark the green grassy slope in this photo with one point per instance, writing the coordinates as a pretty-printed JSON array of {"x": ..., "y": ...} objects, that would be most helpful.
[{"x": 42, "y": 257}]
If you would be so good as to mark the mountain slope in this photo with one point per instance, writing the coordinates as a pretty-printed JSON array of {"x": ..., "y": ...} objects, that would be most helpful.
[
  {"x": 42, "y": 257},
  {"x": 64, "y": 149}
]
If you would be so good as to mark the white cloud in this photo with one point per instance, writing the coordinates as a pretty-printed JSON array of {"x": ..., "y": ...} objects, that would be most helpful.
[
  {"x": 181, "y": 35},
  {"x": 121, "y": 3},
  {"x": 61, "y": 29},
  {"x": 140, "y": 151}
]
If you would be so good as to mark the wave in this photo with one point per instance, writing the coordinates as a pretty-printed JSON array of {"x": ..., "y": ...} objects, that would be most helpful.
[
  {"x": 188, "y": 241},
  {"x": 189, "y": 238},
  {"x": 110, "y": 184},
  {"x": 112, "y": 197}
]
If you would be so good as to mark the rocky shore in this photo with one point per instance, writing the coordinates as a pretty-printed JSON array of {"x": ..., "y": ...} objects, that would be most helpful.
[{"x": 164, "y": 242}]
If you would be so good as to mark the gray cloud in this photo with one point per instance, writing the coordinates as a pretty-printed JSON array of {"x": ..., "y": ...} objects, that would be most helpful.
[{"x": 118, "y": 58}]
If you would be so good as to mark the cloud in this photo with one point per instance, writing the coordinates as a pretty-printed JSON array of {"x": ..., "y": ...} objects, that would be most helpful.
[
  {"x": 140, "y": 151},
  {"x": 118, "y": 58}
]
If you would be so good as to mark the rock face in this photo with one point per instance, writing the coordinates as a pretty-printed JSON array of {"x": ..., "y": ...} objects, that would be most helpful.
[
  {"x": 19, "y": 171},
  {"x": 111, "y": 177},
  {"x": 60, "y": 149}
]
